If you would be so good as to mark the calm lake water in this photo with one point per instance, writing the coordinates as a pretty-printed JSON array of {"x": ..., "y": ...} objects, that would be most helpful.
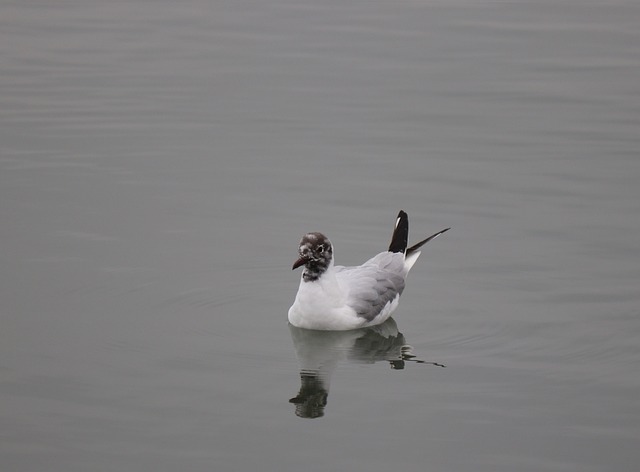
[{"x": 159, "y": 162}]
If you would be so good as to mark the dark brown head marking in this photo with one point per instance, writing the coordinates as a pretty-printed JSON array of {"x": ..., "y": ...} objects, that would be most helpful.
[{"x": 316, "y": 254}]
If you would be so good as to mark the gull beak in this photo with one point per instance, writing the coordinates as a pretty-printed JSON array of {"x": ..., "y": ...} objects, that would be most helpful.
[{"x": 300, "y": 262}]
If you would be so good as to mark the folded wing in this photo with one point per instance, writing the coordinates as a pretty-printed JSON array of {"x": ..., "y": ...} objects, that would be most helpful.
[{"x": 374, "y": 284}]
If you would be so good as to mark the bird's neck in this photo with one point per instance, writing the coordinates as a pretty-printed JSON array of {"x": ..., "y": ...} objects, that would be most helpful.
[{"x": 313, "y": 270}]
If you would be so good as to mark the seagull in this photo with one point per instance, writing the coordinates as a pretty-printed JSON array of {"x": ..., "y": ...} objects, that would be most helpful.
[{"x": 338, "y": 298}]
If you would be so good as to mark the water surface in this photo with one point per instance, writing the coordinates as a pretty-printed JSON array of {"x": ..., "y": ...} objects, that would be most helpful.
[{"x": 159, "y": 162}]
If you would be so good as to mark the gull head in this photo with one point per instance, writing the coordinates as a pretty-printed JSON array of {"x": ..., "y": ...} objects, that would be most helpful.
[{"x": 316, "y": 254}]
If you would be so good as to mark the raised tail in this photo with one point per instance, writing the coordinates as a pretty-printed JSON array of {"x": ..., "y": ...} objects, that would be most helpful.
[
  {"x": 412, "y": 254},
  {"x": 400, "y": 234}
]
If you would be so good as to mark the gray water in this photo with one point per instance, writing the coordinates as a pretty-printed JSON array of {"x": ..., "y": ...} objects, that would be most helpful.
[{"x": 159, "y": 162}]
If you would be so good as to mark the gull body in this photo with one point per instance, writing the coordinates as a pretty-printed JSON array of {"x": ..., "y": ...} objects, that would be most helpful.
[{"x": 340, "y": 298}]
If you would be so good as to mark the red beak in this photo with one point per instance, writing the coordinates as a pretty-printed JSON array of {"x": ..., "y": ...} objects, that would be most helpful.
[{"x": 300, "y": 262}]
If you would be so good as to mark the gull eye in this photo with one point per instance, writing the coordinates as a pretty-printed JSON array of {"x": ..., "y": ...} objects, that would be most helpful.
[{"x": 321, "y": 248}]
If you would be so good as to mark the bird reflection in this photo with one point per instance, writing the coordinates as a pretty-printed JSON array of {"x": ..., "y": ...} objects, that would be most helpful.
[{"x": 320, "y": 351}]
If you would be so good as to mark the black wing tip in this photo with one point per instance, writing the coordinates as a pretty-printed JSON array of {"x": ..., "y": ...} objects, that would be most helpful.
[
  {"x": 417, "y": 246},
  {"x": 400, "y": 236}
]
